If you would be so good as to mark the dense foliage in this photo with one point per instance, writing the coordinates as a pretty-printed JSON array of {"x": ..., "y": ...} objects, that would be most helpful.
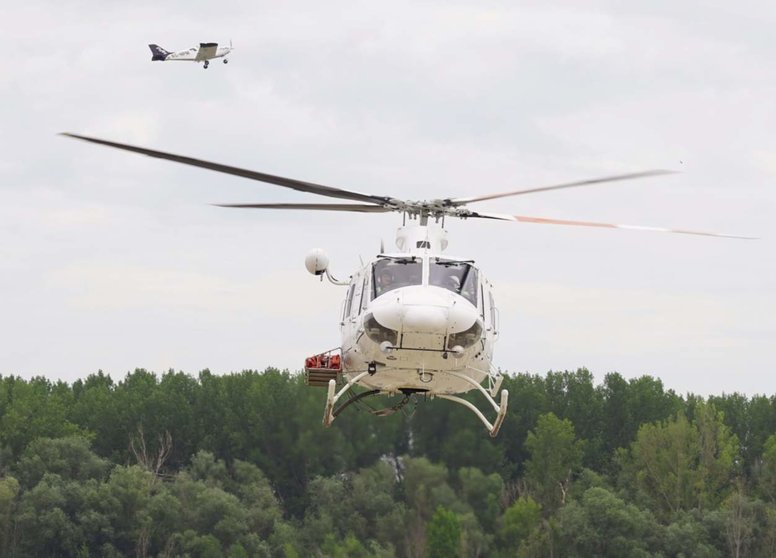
[{"x": 239, "y": 465}]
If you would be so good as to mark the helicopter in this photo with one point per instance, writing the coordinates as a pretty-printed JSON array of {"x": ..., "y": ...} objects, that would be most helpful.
[{"x": 415, "y": 322}]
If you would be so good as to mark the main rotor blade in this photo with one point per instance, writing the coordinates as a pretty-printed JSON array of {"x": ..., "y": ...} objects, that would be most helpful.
[
  {"x": 629, "y": 176},
  {"x": 313, "y": 206},
  {"x": 546, "y": 221},
  {"x": 253, "y": 175}
]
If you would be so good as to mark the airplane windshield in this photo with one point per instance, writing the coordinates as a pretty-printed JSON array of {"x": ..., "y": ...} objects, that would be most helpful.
[
  {"x": 459, "y": 277},
  {"x": 393, "y": 273}
]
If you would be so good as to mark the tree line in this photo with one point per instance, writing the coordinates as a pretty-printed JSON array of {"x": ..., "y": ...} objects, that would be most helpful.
[{"x": 239, "y": 465}]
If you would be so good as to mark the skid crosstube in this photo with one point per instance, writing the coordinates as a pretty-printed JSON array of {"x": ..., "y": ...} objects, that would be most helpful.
[{"x": 501, "y": 407}]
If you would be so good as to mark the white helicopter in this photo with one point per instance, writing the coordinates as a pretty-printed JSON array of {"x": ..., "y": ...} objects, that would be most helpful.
[
  {"x": 205, "y": 53},
  {"x": 414, "y": 321}
]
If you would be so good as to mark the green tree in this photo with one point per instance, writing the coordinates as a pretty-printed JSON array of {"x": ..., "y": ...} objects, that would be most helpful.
[
  {"x": 445, "y": 433},
  {"x": 765, "y": 472},
  {"x": 688, "y": 535},
  {"x": 126, "y": 498},
  {"x": 9, "y": 490},
  {"x": 70, "y": 457},
  {"x": 740, "y": 522},
  {"x": 32, "y": 410},
  {"x": 426, "y": 487},
  {"x": 94, "y": 410},
  {"x": 761, "y": 424},
  {"x": 555, "y": 454},
  {"x": 601, "y": 524},
  {"x": 573, "y": 396},
  {"x": 483, "y": 493},
  {"x": 374, "y": 493},
  {"x": 528, "y": 394},
  {"x": 518, "y": 522},
  {"x": 680, "y": 465},
  {"x": 618, "y": 429},
  {"x": 718, "y": 455},
  {"x": 49, "y": 517},
  {"x": 443, "y": 534},
  {"x": 664, "y": 458}
]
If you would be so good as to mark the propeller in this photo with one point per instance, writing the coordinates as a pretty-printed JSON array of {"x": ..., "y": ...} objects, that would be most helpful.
[
  {"x": 252, "y": 175},
  {"x": 629, "y": 176},
  {"x": 451, "y": 207},
  {"x": 365, "y": 208},
  {"x": 547, "y": 221}
]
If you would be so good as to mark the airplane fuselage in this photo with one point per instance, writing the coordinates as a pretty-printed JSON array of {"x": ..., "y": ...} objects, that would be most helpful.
[
  {"x": 194, "y": 55},
  {"x": 205, "y": 53}
]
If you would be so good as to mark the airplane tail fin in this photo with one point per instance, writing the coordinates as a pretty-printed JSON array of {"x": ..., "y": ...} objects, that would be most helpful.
[{"x": 158, "y": 53}]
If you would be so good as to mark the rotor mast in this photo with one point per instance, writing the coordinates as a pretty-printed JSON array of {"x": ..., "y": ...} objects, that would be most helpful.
[{"x": 420, "y": 236}]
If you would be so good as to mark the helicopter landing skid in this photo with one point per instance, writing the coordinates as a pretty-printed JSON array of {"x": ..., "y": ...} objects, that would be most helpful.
[
  {"x": 330, "y": 413},
  {"x": 500, "y": 408},
  {"x": 332, "y": 397}
]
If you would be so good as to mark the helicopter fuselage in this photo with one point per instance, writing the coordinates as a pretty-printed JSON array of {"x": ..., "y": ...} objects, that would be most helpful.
[{"x": 419, "y": 321}]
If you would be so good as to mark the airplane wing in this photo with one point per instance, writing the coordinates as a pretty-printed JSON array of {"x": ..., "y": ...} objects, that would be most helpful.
[{"x": 206, "y": 51}]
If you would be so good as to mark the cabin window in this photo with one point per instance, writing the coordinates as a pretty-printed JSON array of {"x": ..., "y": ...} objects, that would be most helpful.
[
  {"x": 493, "y": 317},
  {"x": 364, "y": 297},
  {"x": 356, "y": 304},
  {"x": 349, "y": 301},
  {"x": 392, "y": 273},
  {"x": 455, "y": 276}
]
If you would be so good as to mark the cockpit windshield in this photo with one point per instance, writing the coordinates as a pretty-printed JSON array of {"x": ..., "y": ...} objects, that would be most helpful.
[
  {"x": 459, "y": 277},
  {"x": 393, "y": 273}
]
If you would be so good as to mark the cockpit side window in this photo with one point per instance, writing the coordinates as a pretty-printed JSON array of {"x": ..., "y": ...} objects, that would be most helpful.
[
  {"x": 364, "y": 293},
  {"x": 392, "y": 273},
  {"x": 349, "y": 301},
  {"x": 458, "y": 277},
  {"x": 493, "y": 314}
]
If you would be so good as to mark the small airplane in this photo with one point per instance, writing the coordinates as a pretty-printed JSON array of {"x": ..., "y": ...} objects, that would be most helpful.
[
  {"x": 415, "y": 321},
  {"x": 205, "y": 53}
]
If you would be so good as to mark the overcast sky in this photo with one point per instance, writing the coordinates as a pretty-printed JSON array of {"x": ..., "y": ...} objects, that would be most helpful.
[{"x": 114, "y": 261}]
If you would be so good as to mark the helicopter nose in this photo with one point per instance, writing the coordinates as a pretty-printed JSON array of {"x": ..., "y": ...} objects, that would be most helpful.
[
  {"x": 461, "y": 316},
  {"x": 425, "y": 310},
  {"x": 424, "y": 319}
]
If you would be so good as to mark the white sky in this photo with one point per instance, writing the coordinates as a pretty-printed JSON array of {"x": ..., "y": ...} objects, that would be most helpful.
[{"x": 113, "y": 261}]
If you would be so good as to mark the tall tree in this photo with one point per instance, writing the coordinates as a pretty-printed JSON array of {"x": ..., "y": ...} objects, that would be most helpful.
[
  {"x": 70, "y": 457},
  {"x": 33, "y": 409},
  {"x": 518, "y": 522},
  {"x": 681, "y": 465},
  {"x": 555, "y": 455},
  {"x": 9, "y": 490},
  {"x": 765, "y": 470},
  {"x": 444, "y": 534},
  {"x": 527, "y": 400},
  {"x": 572, "y": 396},
  {"x": 719, "y": 451},
  {"x": 603, "y": 525}
]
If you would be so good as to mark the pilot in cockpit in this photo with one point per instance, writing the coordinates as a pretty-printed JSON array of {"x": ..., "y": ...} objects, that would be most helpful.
[{"x": 384, "y": 281}]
